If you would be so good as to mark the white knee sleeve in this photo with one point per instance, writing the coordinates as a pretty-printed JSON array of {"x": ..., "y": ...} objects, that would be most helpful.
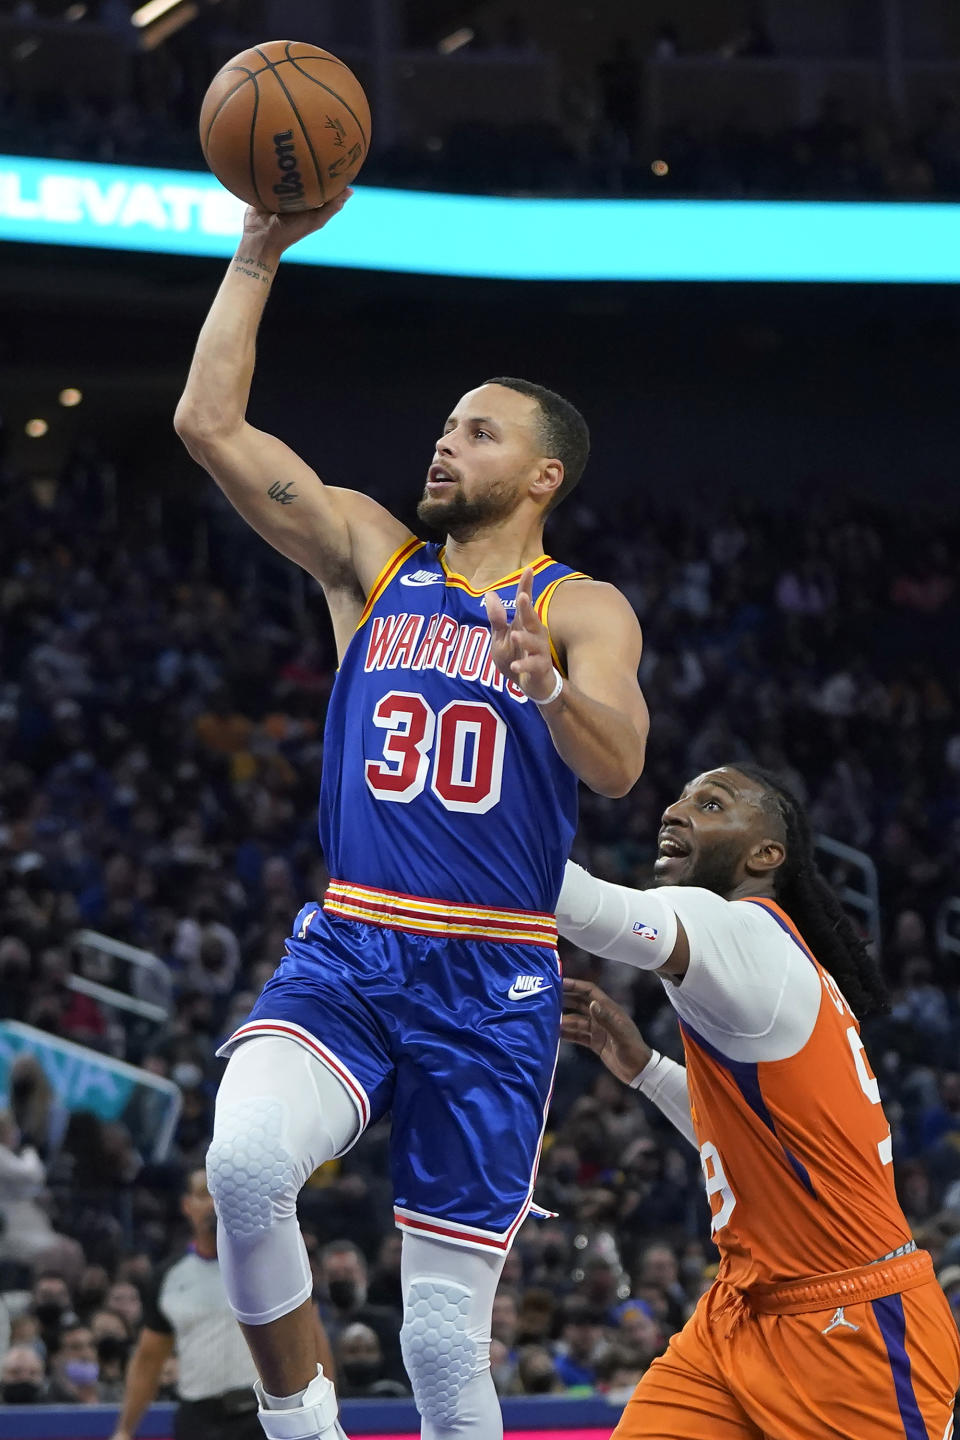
[
  {"x": 448, "y": 1303},
  {"x": 280, "y": 1113}
]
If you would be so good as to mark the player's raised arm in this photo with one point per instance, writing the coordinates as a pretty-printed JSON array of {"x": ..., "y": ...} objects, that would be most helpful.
[
  {"x": 341, "y": 537},
  {"x": 597, "y": 716}
]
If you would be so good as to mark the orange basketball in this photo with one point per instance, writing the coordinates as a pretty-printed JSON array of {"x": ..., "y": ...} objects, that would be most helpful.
[{"x": 285, "y": 126}]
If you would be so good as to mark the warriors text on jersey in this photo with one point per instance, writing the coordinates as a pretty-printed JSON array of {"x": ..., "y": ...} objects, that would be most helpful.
[{"x": 440, "y": 777}]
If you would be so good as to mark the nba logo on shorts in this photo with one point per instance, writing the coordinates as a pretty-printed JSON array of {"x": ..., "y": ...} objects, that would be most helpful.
[{"x": 645, "y": 932}]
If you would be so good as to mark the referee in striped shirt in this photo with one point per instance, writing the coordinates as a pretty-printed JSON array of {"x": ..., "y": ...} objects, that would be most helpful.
[{"x": 188, "y": 1312}]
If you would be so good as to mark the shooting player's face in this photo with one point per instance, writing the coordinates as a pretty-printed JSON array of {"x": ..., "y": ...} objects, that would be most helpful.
[{"x": 483, "y": 463}]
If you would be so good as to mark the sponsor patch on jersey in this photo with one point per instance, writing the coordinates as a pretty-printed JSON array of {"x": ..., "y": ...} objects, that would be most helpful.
[
  {"x": 645, "y": 932},
  {"x": 422, "y": 577},
  {"x": 508, "y": 605},
  {"x": 525, "y": 985}
]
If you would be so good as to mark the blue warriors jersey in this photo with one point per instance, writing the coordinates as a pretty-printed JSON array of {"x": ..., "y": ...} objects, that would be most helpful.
[{"x": 440, "y": 777}]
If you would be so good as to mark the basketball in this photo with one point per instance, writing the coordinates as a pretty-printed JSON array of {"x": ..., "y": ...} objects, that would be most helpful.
[{"x": 285, "y": 126}]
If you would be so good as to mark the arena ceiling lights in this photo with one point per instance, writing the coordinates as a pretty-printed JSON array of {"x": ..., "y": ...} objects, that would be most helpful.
[{"x": 116, "y": 207}]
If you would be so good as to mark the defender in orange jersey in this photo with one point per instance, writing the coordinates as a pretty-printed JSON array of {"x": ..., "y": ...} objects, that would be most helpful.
[{"x": 825, "y": 1320}]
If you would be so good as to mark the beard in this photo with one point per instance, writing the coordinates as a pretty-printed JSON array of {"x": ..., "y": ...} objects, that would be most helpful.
[
  {"x": 462, "y": 517},
  {"x": 716, "y": 868}
]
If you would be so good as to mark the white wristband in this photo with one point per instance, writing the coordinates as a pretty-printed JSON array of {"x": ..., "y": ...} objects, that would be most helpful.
[
  {"x": 554, "y": 693},
  {"x": 637, "y": 1080}
]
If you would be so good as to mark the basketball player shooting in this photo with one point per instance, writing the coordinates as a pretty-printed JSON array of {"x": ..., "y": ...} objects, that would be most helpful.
[
  {"x": 825, "y": 1319},
  {"x": 479, "y": 681}
]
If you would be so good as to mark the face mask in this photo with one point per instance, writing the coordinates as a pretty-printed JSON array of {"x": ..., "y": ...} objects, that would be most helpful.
[
  {"x": 360, "y": 1372},
  {"x": 538, "y": 1384},
  {"x": 82, "y": 1372},
  {"x": 110, "y": 1349},
  {"x": 343, "y": 1294},
  {"x": 49, "y": 1313},
  {"x": 21, "y": 1392},
  {"x": 552, "y": 1254}
]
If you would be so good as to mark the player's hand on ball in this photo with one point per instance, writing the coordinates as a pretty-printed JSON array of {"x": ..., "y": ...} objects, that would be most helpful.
[
  {"x": 278, "y": 232},
  {"x": 521, "y": 647},
  {"x": 592, "y": 1019}
]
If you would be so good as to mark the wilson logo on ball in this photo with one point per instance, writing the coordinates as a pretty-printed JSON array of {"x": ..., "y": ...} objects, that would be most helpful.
[
  {"x": 289, "y": 191},
  {"x": 285, "y": 125}
]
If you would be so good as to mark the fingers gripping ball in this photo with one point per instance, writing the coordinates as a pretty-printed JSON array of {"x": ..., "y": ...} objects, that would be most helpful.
[
  {"x": 285, "y": 126},
  {"x": 250, "y": 1173},
  {"x": 440, "y": 1356}
]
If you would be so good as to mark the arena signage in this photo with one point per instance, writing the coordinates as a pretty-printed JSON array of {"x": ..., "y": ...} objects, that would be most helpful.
[
  {"x": 83, "y": 1079},
  {"x": 63, "y": 202}
]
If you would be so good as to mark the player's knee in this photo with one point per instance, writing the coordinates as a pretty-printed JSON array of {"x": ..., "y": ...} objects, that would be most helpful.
[
  {"x": 253, "y": 1178},
  {"x": 439, "y": 1351}
]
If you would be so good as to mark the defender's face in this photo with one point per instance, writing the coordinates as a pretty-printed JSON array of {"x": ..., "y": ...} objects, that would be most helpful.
[
  {"x": 707, "y": 836},
  {"x": 484, "y": 460}
]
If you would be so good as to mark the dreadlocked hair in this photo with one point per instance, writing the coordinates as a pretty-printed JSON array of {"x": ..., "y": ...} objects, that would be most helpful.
[{"x": 813, "y": 906}]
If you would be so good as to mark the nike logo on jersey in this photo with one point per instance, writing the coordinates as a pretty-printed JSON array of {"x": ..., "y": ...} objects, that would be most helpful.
[
  {"x": 526, "y": 985},
  {"x": 422, "y": 577},
  {"x": 839, "y": 1322}
]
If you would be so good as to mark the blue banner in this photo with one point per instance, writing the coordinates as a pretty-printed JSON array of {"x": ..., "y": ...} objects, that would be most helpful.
[
  {"x": 83, "y": 1079},
  {"x": 533, "y": 1418},
  {"x": 66, "y": 202}
]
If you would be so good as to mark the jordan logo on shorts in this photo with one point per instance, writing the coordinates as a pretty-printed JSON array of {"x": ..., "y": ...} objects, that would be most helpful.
[
  {"x": 839, "y": 1322},
  {"x": 525, "y": 985}
]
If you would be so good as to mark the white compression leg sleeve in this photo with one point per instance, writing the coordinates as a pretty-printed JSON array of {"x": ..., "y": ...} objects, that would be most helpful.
[
  {"x": 280, "y": 1113},
  {"x": 447, "y": 1310}
]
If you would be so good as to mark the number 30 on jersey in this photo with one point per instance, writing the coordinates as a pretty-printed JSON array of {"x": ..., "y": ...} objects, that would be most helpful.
[{"x": 460, "y": 750}]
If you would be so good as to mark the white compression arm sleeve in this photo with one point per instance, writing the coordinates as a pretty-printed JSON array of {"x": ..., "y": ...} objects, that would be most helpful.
[
  {"x": 664, "y": 1082},
  {"x": 615, "y": 922}
]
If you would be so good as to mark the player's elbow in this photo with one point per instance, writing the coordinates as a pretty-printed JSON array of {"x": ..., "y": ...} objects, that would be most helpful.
[
  {"x": 613, "y": 787},
  {"x": 189, "y": 425},
  {"x": 200, "y": 431},
  {"x": 620, "y": 773},
  {"x": 616, "y": 781}
]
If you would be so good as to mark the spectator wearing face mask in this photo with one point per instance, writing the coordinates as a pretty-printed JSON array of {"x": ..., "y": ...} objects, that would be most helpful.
[
  {"x": 343, "y": 1302},
  {"x": 536, "y": 1372},
  {"x": 113, "y": 1352},
  {"x": 53, "y": 1307},
  {"x": 360, "y": 1366},
  {"x": 21, "y": 1376},
  {"x": 74, "y": 1368}
]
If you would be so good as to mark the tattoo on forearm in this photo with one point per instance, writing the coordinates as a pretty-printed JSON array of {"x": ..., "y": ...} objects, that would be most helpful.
[
  {"x": 256, "y": 270},
  {"x": 283, "y": 494}
]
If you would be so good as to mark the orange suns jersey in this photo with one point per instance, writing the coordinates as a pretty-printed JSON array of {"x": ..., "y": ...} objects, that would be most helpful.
[{"x": 796, "y": 1153}]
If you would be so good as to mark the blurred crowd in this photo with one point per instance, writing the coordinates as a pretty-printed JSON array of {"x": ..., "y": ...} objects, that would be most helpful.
[
  {"x": 840, "y": 154},
  {"x": 161, "y": 716},
  {"x": 609, "y": 141}
]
